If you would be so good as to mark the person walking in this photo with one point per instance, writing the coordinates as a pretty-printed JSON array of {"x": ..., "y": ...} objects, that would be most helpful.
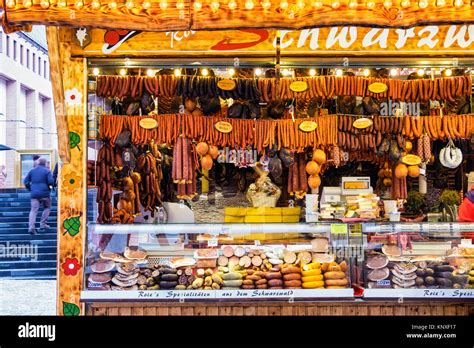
[
  {"x": 3, "y": 176},
  {"x": 38, "y": 182},
  {"x": 35, "y": 160}
]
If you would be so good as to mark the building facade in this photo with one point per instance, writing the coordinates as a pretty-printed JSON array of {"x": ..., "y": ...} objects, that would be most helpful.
[{"x": 26, "y": 106}]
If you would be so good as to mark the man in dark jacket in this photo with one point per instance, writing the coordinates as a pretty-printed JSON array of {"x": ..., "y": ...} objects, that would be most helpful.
[{"x": 38, "y": 182}]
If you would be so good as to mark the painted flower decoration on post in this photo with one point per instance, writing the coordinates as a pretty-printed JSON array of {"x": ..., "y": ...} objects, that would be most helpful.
[
  {"x": 71, "y": 266},
  {"x": 71, "y": 181},
  {"x": 73, "y": 96}
]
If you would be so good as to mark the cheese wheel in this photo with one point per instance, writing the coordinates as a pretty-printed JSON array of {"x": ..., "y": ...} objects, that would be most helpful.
[
  {"x": 313, "y": 285},
  {"x": 315, "y": 278},
  {"x": 310, "y": 273},
  {"x": 336, "y": 282},
  {"x": 335, "y": 287},
  {"x": 334, "y": 275}
]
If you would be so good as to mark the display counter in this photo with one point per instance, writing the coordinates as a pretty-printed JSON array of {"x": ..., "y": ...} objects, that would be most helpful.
[{"x": 279, "y": 269}]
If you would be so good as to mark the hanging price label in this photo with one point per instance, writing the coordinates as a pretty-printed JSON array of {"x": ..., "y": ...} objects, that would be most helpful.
[
  {"x": 338, "y": 228},
  {"x": 212, "y": 242}
]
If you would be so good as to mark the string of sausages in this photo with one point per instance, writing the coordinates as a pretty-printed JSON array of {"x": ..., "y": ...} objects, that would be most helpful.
[
  {"x": 439, "y": 127},
  {"x": 259, "y": 133},
  {"x": 266, "y": 89}
]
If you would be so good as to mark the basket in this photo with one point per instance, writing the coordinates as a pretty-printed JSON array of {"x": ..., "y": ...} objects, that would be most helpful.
[{"x": 263, "y": 200}]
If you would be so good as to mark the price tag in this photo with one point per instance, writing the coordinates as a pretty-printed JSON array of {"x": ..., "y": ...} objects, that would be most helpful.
[
  {"x": 212, "y": 242},
  {"x": 423, "y": 171},
  {"x": 466, "y": 242},
  {"x": 338, "y": 228},
  {"x": 257, "y": 242},
  {"x": 456, "y": 228}
]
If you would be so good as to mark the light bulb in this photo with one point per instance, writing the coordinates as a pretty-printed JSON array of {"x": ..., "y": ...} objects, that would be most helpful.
[
  {"x": 353, "y": 4},
  {"x": 180, "y": 5},
  {"x": 393, "y": 72},
  {"x": 339, "y": 72},
  {"x": 423, "y": 3},
  {"x": 441, "y": 3},
  {"x": 27, "y": 3},
  {"x": 11, "y": 3},
  {"x": 95, "y": 4},
  {"x": 335, "y": 4},
  {"x": 215, "y": 5},
  {"x": 421, "y": 72},
  {"x": 204, "y": 72},
  {"x": 62, "y": 3},
  {"x": 197, "y": 5},
  {"x": 150, "y": 73},
  {"x": 79, "y": 4},
  {"x": 448, "y": 72},
  {"x": 300, "y": 4},
  {"x": 113, "y": 4},
  {"x": 96, "y": 71},
  {"x": 458, "y": 3},
  {"x": 146, "y": 4},
  {"x": 44, "y": 3},
  {"x": 177, "y": 72},
  {"x": 312, "y": 72},
  {"x": 284, "y": 4},
  {"x": 405, "y": 3},
  {"x": 266, "y": 4},
  {"x": 387, "y": 3},
  {"x": 286, "y": 72},
  {"x": 317, "y": 4},
  {"x": 123, "y": 72},
  {"x": 366, "y": 72},
  {"x": 249, "y": 4},
  {"x": 129, "y": 4},
  {"x": 231, "y": 72},
  {"x": 258, "y": 72},
  {"x": 370, "y": 4},
  {"x": 232, "y": 5},
  {"x": 163, "y": 4}
]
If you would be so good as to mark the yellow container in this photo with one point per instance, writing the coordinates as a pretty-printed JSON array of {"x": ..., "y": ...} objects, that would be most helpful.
[
  {"x": 264, "y": 211},
  {"x": 234, "y": 219},
  {"x": 291, "y": 211},
  {"x": 262, "y": 218},
  {"x": 290, "y": 218},
  {"x": 235, "y": 211}
]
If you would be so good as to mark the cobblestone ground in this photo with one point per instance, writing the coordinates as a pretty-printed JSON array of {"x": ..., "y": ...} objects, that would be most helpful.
[
  {"x": 207, "y": 212},
  {"x": 27, "y": 297}
]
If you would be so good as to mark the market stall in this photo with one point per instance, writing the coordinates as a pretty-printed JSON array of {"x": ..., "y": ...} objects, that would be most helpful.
[{"x": 261, "y": 172}]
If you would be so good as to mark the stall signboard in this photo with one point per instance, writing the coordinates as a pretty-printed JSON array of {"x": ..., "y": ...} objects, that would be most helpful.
[{"x": 426, "y": 40}]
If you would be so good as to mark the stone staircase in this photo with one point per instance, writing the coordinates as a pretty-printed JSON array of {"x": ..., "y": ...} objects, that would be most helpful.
[{"x": 21, "y": 254}]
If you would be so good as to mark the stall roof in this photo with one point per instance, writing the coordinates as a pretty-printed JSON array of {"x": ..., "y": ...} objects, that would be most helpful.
[{"x": 176, "y": 15}]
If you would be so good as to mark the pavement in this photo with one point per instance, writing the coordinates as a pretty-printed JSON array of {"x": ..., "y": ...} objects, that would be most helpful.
[{"x": 27, "y": 297}]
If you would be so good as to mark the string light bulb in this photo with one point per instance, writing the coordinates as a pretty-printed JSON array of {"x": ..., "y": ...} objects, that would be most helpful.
[
  {"x": 123, "y": 72},
  {"x": 441, "y": 3},
  {"x": 393, "y": 72},
  {"x": 317, "y": 4},
  {"x": 458, "y": 3},
  {"x": 163, "y": 4},
  {"x": 150, "y": 73},
  {"x": 180, "y": 5},
  {"x": 27, "y": 3},
  {"x": 335, "y": 4},
  {"x": 62, "y": 3},
  {"x": 232, "y": 5},
  {"x": 215, "y": 5},
  {"x": 96, "y": 71},
  {"x": 353, "y": 4},
  {"x": 197, "y": 5},
  {"x": 370, "y": 4},
  {"x": 129, "y": 4},
  {"x": 301, "y": 4},
  {"x": 448, "y": 72},
  {"x": 11, "y": 3},
  {"x": 177, "y": 72},
  {"x": 249, "y": 4},
  {"x": 204, "y": 72},
  {"x": 339, "y": 72},
  {"x": 423, "y": 3},
  {"x": 266, "y": 4},
  {"x": 146, "y": 4},
  {"x": 366, "y": 72},
  {"x": 79, "y": 4},
  {"x": 113, "y": 4},
  {"x": 405, "y": 3},
  {"x": 95, "y": 4},
  {"x": 231, "y": 72},
  {"x": 284, "y": 4},
  {"x": 387, "y": 3},
  {"x": 258, "y": 72},
  {"x": 421, "y": 72},
  {"x": 44, "y": 3},
  {"x": 286, "y": 72},
  {"x": 312, "y": 72}
]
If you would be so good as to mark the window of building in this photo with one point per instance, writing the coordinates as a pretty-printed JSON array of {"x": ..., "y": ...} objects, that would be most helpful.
[
  {"x": 39, "y": 66},
  {"x": 14, "y": 51},
  {"x": 1, "y": 42},
  {"x": 45, "y": 69},
  {"x": 22, "y": 58},
  {"x": 34, "y": 62},
  {"x": 8, "y": 46},
  {"x": 28, "y": 58}
]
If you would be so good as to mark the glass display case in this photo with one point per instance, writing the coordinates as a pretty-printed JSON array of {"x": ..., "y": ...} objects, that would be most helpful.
[{"x": 217, "y": 261}]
